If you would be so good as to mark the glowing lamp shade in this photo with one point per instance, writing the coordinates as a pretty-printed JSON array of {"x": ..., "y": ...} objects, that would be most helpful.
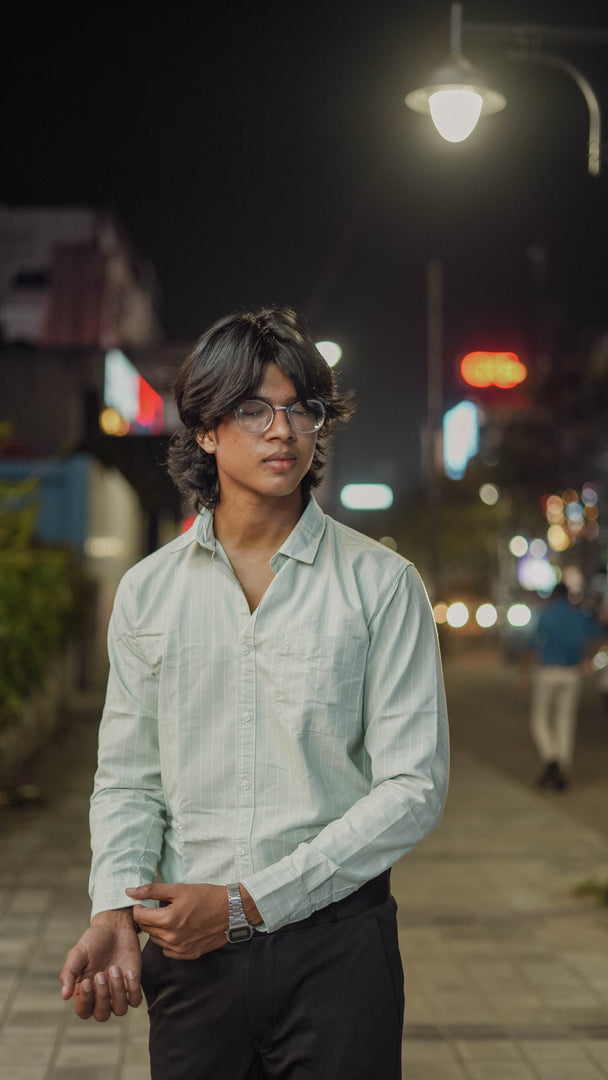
[
  {"x": 455, "y": 112},
  {"x": 456, "y": 95},
  {"x": 366, "y": 496}
]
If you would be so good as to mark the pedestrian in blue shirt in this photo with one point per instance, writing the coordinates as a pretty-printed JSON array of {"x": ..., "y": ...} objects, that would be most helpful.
[
  {"x": 563, "y": 638},
  {"x": 274, "y": 737}
]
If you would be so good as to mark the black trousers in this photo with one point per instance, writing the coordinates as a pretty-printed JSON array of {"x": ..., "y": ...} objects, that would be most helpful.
[{"x": 317, "y": 1000}]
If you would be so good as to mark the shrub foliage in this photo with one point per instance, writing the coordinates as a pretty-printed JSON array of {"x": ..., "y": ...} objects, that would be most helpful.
[{"x": 41, "y": 598}]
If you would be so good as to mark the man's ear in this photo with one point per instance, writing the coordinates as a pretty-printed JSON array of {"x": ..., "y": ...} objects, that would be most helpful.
[{"x": 206, "y": 441}]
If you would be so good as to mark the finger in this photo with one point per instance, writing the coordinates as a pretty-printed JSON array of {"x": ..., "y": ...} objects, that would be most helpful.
[
  {"x": 151, "y": 892},
  {"x": 148, "y": 918},
  {"x": 134, "y": 992},
  {"x": 103, "y": 1006},
  {"x": 84, "y": 999},
  {"x": 68, "y": 983},
  {"x": 118, "y": 992},
  {"x": 73, "y": 967}
]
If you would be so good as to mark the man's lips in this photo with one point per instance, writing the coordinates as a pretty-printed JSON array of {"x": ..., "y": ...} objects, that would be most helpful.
[{"x": 280, "y": 462}]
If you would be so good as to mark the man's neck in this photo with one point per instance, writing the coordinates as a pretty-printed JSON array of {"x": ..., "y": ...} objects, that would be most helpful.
[{"x": 257, "y": 524}]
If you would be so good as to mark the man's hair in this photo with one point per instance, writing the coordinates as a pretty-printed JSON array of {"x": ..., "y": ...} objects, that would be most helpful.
[{"x": 224, "y": 368}]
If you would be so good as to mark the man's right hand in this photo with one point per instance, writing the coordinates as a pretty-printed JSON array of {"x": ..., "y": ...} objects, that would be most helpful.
[{"x": 102, "y": 972}]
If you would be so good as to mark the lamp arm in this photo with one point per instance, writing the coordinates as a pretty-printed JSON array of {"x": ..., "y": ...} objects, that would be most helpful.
[
  {"x": 595, "y": 118},
  {"x": 455, "y": 29}
]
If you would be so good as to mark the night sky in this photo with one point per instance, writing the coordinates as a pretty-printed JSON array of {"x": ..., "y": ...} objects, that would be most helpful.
[{"x": 261, "y": 153}]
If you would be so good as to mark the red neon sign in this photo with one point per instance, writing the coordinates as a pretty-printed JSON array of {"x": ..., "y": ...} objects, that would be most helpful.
[{"x": 501, "y": 369}]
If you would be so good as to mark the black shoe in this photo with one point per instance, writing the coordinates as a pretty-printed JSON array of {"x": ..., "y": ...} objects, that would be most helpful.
[
  {"x": 552, "y": 777},
  {"x": 548, "y": 776},
  {"x": 560, "y": 780}
]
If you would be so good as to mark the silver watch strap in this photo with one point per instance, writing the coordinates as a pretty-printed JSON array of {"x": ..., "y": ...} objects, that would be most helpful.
[
  {"x": 238, "y": 927},
  {"x": 235, "y": 904}
]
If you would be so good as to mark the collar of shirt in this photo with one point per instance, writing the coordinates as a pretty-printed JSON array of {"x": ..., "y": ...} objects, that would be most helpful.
[{"x": 302, "y": 543}]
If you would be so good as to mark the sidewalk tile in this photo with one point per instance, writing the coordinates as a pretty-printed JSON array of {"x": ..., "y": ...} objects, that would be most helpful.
[
  {"x": 569, "y": 1071},
  {"x": 500, "y": 1070},
  {"x": 487, "y": 1050}
]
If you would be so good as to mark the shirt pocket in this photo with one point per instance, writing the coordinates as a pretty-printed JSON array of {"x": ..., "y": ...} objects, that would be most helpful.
[{"x": 317, "y": 681}]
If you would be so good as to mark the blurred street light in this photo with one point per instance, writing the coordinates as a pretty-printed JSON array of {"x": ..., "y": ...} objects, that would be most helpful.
[
  {"x": 366, "y": 496},
  {"x": 330, "y": 351},
  {"x": 486, "y": 616},
  {"x": 457, "y": 94},
  {"x": 457, "y": 615},
  {"x": 489, "y": 494},
  {"x": 519, "y": 615}
]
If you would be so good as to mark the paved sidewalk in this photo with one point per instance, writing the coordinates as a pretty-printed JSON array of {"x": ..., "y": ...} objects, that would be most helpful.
[{"x": 506, "y": 969}]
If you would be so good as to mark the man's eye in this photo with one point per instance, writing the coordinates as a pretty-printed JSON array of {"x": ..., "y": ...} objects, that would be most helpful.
[{"x": 252, "y": 408}]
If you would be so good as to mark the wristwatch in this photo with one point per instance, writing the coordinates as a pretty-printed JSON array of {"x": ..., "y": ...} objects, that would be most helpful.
[{"x": 238, "y": 927}]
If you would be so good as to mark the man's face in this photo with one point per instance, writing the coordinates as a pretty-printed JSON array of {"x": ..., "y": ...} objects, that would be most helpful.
[{"x": 269, "y": 465}]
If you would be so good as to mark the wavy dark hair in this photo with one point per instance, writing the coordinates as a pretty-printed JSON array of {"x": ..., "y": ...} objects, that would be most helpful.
[{"x": 224, "y": 368}]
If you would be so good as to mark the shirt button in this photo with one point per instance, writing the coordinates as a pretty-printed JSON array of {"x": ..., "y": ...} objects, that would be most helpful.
[
  {"x": 239, "y": 851},
  {"x": 244, "y": 649},
  {"x": 246, "y": 716},
  {"x": 244, "y": 784}
]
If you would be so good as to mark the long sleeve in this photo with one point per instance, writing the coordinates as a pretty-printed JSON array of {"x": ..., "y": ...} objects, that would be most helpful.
[
  {"x": 406, "y": 738},
  {"x": 127, "y": 807}
]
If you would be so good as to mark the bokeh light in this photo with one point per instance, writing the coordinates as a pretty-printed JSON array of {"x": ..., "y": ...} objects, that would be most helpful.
[
  {"x": 589, "y": 495},
  {"x": 366, "y": 496},
  {"x": 440, "y": 611},
  {"x": 457, "y": 615},
  {"x": 489, "y": 494},
  {"x": 486, "y": 615},
  {"x": 536, "y": 575},
  {"x": 518, "y": 546},
  {"x": 112, "y": 423},
  {"x": 330, "y": 351},
  {"x": 519, "y": 615},
  {"x": 558, "y": 538},
  {"x": 537, "y": 549}
]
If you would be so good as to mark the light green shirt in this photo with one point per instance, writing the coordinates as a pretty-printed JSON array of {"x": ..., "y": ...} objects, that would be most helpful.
[{"x": 300, "y": 749}]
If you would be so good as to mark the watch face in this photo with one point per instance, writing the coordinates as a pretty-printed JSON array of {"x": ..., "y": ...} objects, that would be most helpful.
[{"x": 239, "y": 933}]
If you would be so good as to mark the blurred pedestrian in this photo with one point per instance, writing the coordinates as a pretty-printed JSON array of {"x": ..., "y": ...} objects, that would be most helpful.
[
  {"x": 562, "y": 641},
  {"x": 274, "y": 737}
]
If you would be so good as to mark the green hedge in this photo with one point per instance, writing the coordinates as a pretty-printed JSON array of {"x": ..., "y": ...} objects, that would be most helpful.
[{"x": 42, "y": 593}]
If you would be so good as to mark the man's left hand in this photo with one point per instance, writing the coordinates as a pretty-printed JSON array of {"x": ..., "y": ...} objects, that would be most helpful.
[{"x": 192, "y": 921}]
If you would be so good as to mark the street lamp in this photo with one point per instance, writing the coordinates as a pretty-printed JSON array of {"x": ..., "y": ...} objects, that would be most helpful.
[{"x": 457, "y": 94}]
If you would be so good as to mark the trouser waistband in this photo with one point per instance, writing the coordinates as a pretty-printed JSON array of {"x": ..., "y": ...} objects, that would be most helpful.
[{"x": 374, "y": 892}]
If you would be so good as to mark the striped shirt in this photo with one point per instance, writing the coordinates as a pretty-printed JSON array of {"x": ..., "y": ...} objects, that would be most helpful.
[{"x": 300, "y": 749}]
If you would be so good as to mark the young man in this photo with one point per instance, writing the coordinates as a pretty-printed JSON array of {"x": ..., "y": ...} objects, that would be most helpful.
[
  {"x": 274, "y": 738},
  {"x": 563, "y": 638}
]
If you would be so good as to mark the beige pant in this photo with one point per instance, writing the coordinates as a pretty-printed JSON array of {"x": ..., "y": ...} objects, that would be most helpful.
[{"x": 555, "y": 694}]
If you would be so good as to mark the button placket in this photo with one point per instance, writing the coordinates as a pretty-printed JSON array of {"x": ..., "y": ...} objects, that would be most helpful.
[{"x": 245, "y": 749}]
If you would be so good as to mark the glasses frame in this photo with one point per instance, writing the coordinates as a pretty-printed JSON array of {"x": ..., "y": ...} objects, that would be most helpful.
[{"x": 280, "y": 408}]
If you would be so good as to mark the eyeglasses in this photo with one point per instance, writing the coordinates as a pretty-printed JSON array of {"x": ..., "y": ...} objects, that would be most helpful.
[{"x": 256, "y": 416}]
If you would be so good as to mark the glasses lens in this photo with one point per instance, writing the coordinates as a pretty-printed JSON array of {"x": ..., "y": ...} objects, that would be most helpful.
[
  {"x": 254, "y": 416},
  {"x": 307, "y": 416}
]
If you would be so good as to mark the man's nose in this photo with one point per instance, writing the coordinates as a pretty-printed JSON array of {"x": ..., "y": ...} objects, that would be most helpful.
[{"x": 281, "y": 427}]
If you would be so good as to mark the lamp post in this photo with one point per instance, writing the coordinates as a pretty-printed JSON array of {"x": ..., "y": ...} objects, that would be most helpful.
[{"x": 457, "y": 94}]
